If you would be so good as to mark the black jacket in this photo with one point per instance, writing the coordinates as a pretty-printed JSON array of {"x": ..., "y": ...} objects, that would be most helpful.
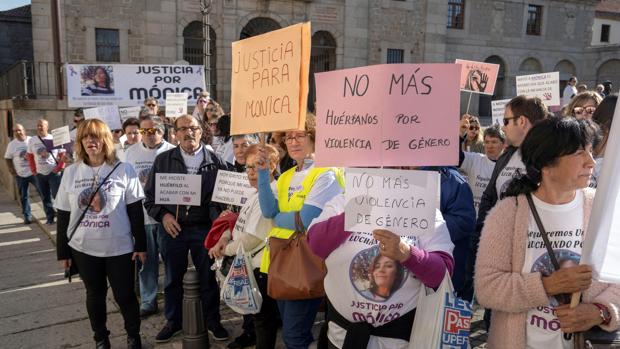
[{"x": 171, "y": 161}]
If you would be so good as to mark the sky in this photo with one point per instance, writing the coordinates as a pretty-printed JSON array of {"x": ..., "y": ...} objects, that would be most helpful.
[{"x": 11, "y": 4}]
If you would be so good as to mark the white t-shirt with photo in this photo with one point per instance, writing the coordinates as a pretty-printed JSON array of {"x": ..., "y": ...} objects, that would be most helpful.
[
  {"x": 142, "y": 158},
  {"x": 18, "y": 152},
  {"x": 43, "y": 158},
  {"x": 509, "y": 172},
  {"x": 355, "y": 268},
  {"x": 105, "y": 230},
  {"x": 478, "y": 168},
  {"x": 564, "y": 226}
]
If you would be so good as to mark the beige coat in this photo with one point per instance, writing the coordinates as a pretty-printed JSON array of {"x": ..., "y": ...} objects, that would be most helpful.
[{"x": 501, "y": 285}]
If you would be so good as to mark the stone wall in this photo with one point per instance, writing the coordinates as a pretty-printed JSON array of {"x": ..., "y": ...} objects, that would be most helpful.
[{"x": 15, "y": 40}]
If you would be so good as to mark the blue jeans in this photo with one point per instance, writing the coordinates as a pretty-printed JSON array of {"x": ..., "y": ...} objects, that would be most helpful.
[
  {"x": 297, "y": 320},
  {"x": 22, "y": 184},
  {"x": 149, "y": 272},
  {"x": 48, "y": 188},
  {"x": 174, "y": 252}
]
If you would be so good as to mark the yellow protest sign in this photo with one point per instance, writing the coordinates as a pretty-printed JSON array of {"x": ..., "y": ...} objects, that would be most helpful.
[{"x": 270, "y": 80}]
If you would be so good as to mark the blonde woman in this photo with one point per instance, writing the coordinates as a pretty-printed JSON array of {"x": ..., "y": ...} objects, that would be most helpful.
[{"x": 583, "y": 105}]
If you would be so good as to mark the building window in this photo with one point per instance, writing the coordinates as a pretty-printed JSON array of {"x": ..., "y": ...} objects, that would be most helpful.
[
  {"x": 534, "y": 19},
  {"x": 395, "y": 55},
  {"x": 456, "y": 13},
  {"x": 605, "y": 32},
  {"x": 108, "y": 45}
]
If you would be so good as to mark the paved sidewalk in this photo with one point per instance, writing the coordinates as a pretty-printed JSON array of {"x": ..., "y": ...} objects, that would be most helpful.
[{"x": 41, "y": 310}]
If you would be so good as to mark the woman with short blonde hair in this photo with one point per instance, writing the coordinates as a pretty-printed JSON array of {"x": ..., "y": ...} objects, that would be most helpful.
[{"x": 582, "y": 105}]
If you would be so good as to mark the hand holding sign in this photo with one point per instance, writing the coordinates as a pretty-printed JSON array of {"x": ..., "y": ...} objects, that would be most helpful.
[{"x": 391, "y": 246}]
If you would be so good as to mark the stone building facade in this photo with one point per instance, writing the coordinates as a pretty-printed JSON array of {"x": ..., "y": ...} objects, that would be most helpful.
[{"x": 15, "y": 36}]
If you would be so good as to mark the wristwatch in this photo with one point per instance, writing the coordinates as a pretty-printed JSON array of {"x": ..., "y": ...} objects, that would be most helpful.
[{"x": 604, "y": 313}]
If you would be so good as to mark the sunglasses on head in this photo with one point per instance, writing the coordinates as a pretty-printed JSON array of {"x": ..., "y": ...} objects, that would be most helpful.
[{"x": 150, "y": 131}]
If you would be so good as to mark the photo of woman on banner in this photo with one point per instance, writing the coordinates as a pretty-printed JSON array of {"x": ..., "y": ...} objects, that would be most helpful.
[{"x": 97, "y": 81}]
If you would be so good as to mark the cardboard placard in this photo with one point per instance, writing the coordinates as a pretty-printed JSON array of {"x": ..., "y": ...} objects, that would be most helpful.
[
  {"x": 497, "y": 111},
  {"x": 108, "y": 114},
  {"x": 178, "y": 189},
  {"x": 61, "y": 136},
  {"x": 402, "y": 201},
  {"x": 232, "y": 188},
  {"x": 545, "y": 86},
  {"x": 129, "y": 112},
  {"x": 478, "y": 77},
  {"x": 176, "y": 104},
  {"x": 388, "y": 115},
  {"x": 269, "y": 80}
]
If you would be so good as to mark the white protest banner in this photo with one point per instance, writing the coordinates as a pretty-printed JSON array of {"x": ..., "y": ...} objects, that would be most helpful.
[
  {"x": 61, "y": 136},
  {"x": 176, "y": 104},
  {"x": 108, "y": 114},
  {"x": 401, "y": 201},
  {"x": 545, "y": 86},
  {"x": 130, "y": 84},
  {"x": 232, "y": 188},
  {"x": 129, "y": 112},
  {"x": 177, "y": 189},
  {"x": 601, "y": 247},
  {"x": 497, "y": 111}
]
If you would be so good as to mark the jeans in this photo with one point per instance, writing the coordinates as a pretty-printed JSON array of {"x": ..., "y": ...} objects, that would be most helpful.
[
  {"x": 266, "y": 321},
  {"x": 48, "y": 188},
  {"x": 149, "y": 271},
  {"x": 174, "y": 252},
  {"x": 297, "y": 320},
  {"x": 119, "y": 271},
  {"x": 22, "y": 184}
]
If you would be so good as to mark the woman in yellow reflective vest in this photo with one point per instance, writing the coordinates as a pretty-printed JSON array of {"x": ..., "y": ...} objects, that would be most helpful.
[{"x": 304, "y": 188}]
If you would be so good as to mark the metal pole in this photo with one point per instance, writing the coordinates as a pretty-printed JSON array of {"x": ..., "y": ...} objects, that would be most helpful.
[
  {"x": 195, "y": 335},
  {"x": 205, "y": 7}
]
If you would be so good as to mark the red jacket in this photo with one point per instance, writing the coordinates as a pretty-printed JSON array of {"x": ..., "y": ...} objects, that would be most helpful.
[{"x": 220, "y": 225}]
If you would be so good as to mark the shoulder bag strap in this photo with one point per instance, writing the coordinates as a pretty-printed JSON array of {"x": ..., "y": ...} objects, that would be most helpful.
[
  {"x": 92, "y": 197},
  {"x": 543, "y": 232},
  {"x": 48, "y": 150}
]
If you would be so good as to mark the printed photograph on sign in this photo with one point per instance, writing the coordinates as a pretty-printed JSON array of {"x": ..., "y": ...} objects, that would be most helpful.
[
  {"x": 478, "y": 77},
  {"x": 97, "y": 80}
]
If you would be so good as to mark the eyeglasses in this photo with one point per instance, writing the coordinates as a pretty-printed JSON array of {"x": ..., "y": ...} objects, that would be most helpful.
[
  {"x": 150, "y": 131},
  {"x": 296, "y": 138},
  {"x": 474, "y": 128},
  {"x": 185, "y": 129},
  {"x": 133, "y": 133},
  {"x": 151, "y": 105},
  {"x": 212, "y": 124},
  {"x": 507, "y": 120},
  {"x": 203, "y": 101},
  {"x": 249, "y": 168},
  {"x": 77, "y": 120},
  {"x": 582, "y": 110},
  {"x": 117, "y": 131},
  {"x": 211, "y": 109}
]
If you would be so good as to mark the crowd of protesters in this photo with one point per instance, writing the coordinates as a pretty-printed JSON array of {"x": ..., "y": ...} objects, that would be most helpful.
[{"x": 486, "y": 232}]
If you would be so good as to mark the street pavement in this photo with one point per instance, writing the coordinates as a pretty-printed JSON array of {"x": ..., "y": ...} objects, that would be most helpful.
[{"x": 40, "y": 309}]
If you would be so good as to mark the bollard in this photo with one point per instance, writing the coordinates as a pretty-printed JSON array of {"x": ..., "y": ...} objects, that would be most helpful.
[{"x": 195, "y": 335}]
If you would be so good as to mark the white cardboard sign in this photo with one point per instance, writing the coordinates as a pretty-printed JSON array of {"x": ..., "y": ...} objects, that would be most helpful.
[
  {"x": 177, "y": 189},
  {"x": 232, "y": 188},
  {"x": 176, "y": 104},
  {"x": 497, "y": 111},
  {"x": 401, "y": 201},
  {"x": 61, "y": 136},
  {"x": 108, "y": 114},
  {"x": 545, "y": 86},
  {"x": 129, "y": 112}
]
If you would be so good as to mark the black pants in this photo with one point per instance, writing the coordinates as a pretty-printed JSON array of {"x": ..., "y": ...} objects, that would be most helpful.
[
  {"x": 119, "y": 271},
  {"x": 266, "y": 321}
]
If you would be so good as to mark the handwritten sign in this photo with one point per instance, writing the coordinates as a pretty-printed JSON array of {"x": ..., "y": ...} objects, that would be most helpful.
[
  {"x": 401, "y": 201},
  {"x": 232, "y": 188},
  {"x": 177, "y": 189},
  {"x": 129, "y": 112},
  {"x": 497, "y": 111},
  {"x": 478, "y": 77},
  {"x": 545, "y": 86},
  {"x": 61, "y": 136},
  {"x": 108, "y": 114},
  {"x": 270, "y": 80},
  {"x": 388, "y": 115},
  {"x": 176, "y": 104}
]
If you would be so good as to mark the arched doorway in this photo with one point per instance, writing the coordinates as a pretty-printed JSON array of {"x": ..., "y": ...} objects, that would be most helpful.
[
  {"x": 257, "y": 26},
  {"x": 193, "y": 50},
  {"x": 322, "y": 58},
  {"x": 609, "y": 71},
  {"x": 566, "y": 69},
  {"x": 530, "y": 66},
  {"x": 484, "y": 101}
]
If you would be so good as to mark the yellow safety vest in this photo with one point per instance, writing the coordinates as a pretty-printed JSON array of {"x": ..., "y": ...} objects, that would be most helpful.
[{"x": 295, "y": 202}]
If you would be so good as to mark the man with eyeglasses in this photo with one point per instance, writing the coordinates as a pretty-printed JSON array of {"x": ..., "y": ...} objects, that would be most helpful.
[
  {"x": 520, "y": 115},
  {"x": 141, "y": 156},
  {"x": 187, "y": 227},
  {"x": 152, "y": 105},
  {"x": 131, "y": 128}
]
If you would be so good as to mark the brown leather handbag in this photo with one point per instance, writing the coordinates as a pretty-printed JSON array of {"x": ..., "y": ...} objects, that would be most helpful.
[{"x": 295, "y": 272}]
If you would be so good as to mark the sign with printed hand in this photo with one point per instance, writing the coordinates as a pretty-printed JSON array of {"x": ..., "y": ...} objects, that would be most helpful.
[
  {"x": 478, "y": 77},
  {"x": 176, "y": 104},
  {"x": 61, "y": 136},
  {"x": 178, "y": 189},
  {"x": 545, "y": 86},
  {"x": 232, "y": 188}
]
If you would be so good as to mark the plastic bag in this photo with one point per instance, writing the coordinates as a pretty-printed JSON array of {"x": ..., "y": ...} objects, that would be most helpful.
[
  {"x": 240, "y": 290},
  {"x": 442, "y": 320}
]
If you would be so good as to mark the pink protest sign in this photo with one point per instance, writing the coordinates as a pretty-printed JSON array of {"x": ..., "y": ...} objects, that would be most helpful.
[
  {"x": 478, "y": 77},
  {"x": 388, "y": 115}
]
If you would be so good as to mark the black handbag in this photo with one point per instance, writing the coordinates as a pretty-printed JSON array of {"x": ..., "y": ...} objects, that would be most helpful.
[
  {"x": 73, "y": 269},
  {"x": 594, "y": 338}
]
